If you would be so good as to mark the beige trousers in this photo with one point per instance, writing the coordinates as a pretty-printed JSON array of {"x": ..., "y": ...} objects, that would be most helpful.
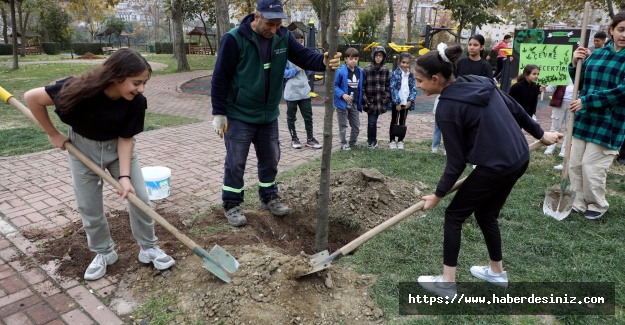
[{"x": 588, "y": 169}]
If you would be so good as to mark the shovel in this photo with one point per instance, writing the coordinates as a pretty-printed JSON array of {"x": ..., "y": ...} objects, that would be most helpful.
[
  {"x": 218, "y": 261},
  {"x": 558, "y": 200},
  {"x": 323, "y": 260}
]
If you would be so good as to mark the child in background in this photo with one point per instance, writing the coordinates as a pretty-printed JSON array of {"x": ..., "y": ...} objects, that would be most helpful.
[
  {"x": 403, "y": 93},
  {"x": 377, "y": 93},
  {"x": 474, "y": 64},
  {"x": 526, "y": 90},
  {"x": 297, "y": 92},
  {"x": 501, "y": 55},
  {"x": 560, "y": 103},
  {"x": 437, "y": 137},
  {"x": 105, "y": 109},
  {"x": 348, "y": 98}
]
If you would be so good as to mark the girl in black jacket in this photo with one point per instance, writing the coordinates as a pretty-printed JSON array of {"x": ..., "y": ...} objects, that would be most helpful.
[
  {"x": 481, "y": 126},
  {"x": 526, "y": 90}
]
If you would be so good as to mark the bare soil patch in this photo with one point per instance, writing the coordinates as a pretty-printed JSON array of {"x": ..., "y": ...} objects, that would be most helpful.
[{"x": 264, "y": 289}]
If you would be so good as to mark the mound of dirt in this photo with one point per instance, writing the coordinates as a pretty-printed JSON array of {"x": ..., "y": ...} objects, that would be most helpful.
[
  {"x": 364, "y": 196},
  {"x": 262, "y": 292},
  {"x": 89, "y": 56},
  {"x": 272, "y": 252}
]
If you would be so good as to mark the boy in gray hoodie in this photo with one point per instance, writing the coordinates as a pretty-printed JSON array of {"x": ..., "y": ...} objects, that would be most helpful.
[{"x": 297, "y": 93}]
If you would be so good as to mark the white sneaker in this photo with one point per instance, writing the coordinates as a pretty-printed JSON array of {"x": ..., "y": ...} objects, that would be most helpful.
[
  {"x": 558, "y": 167},
  {"x": 485, "y": 273},
  {"x": 400, "y": 145},
  {"x": 345, "y": 147},
  {"x": 534, "y": 117},
  {"x": 97, "y": 268},
  {"x": 549, "y": 150},
  {"x": 156, "y": 256},
  {"x": 434, "y": 150},
  {"x": 436, "y": 285},
  {"x": 561, "y": 154},
  {"x": 393, "y": 145}
]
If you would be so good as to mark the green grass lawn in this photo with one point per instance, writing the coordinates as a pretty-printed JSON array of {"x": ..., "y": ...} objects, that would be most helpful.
[
  {"x": 536, "y": 248},
  {"x": 19, "y": 136}
]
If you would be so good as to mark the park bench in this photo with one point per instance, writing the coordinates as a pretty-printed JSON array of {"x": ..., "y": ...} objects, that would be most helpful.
[{"x": 108, "y": 50}]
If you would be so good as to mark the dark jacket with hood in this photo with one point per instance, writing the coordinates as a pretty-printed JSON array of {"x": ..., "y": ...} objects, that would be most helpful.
[
  {"x": 377, "y": 84},
  {"x": 238, "y": 82},
  {"x": 480, "y": 125}
]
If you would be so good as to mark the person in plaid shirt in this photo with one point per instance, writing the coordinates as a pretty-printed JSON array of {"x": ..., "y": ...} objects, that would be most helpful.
[
  {"x": 599, "y": 127},
  {"x": 377, "y": 92}
]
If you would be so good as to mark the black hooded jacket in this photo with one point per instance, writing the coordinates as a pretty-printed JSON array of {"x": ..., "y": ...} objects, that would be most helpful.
[{"x": 481, "y": 125}]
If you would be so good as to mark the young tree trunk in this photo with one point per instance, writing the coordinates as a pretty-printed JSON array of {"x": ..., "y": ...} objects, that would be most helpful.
[
  {"x": 391, "y": 19},
  {"x": 321, "y": 236},
  {"x": 5, "y": 34},
  {"x": 409, "y": 23},
  {"x": 324, "y": 24},
  {"x": 221, "y": 13},
  {"x": 181, "y": 57}
]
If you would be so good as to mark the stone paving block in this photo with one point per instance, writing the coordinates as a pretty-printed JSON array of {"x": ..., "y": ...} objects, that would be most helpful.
[
  {"x": 61, "y": 302},
  {"x": 13, "y": 284},
  {"x": 41, "y": 313},
  {"x": 46, "y": 288},
  {"x": 56, "y": 322},
  {"x": 16, "y": 304},
  {"x": 77, "y": 317},
  {"x": 9, "y": 254},
  {"x": 33, "y": 276},
  {"x": 93, "y": 306},
  {"x": 19, "y": 221},
  {"x": 17, "y": 318}
]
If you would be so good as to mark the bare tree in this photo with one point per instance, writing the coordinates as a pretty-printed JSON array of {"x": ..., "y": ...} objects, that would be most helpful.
[
  {"x": 221, "y": 13},
  {"x": 321, "y": 236},
  {"x": 409, "y": 22}
]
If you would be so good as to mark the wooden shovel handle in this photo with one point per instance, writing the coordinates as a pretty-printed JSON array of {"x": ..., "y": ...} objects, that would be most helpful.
[
  {"x": 403, "y": 215},
  {"x": 7, "y": 97},
  {"x": 578, "y": 74}
]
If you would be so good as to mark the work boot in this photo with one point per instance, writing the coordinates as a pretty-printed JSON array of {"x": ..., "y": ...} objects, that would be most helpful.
[
  {"x": 276, "y": 207},
  {"x": 235, "y": 216}
]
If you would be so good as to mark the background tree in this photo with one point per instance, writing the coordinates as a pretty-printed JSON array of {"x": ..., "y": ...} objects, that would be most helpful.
[
  {"x": 472, "y": 13},
  {"x": 92, "y": 12},
  {"x": 222, "y": 18},
  {"x": 391, "y": 20},
  {"x": 11, "y": 4},
  {"x": 114, "y": 26},
  {"x": 409, "y": 22},
  {"x": 56, "y": 21},
  {"x": 203, "y": 10},
  {"x": 323, "y": 14},
  {"x": 179, "y": 53},
  {"x": 367, "y": 27}
]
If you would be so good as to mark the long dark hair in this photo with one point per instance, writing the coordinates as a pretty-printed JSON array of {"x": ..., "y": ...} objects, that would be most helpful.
[
  {"x": 527, "y": 71},
  {"x": 122, "y": 64},
  {"x": 432, "y": 63}
]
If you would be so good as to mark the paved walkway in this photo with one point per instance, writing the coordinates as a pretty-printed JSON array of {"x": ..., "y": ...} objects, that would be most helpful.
[{"x": 36, "y": 193}]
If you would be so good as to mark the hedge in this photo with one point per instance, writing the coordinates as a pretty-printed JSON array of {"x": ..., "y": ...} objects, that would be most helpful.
[
  {"x": 82, "y": 48},
  {"x": 50, "y": 48},
  {"x": 168, "y": 48}
]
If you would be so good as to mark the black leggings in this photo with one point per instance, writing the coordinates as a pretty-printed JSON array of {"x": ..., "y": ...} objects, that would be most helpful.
[
  {"x": 483, "y": 193},
  {"x": 402, "y": 120}
]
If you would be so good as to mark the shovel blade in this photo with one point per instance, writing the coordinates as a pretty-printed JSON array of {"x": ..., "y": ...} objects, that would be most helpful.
[
  {"x": 318, "y": 262},
  {"x": 223, "y": 258},
  {"x": 558, "y": 204}
]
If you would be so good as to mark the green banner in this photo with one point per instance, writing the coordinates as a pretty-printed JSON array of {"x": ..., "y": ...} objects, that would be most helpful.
[{"x": 552, "y": 60}]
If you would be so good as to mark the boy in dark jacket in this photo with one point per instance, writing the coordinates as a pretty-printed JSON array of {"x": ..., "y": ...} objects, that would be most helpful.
[{"x": 377, "y": 92}]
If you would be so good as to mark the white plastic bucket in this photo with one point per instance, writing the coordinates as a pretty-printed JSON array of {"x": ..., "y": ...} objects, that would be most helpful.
[{"x": 157, "y": 181}]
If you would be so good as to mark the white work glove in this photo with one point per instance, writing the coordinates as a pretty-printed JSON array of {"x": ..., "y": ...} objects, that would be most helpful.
[{"x": 220, "y": 124}]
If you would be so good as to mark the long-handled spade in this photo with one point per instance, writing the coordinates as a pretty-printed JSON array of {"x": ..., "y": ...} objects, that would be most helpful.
[
  {"x": 558, "y": 200},
  {"x": 323, "y": 260},
  {"x": 218, "y": 261}
]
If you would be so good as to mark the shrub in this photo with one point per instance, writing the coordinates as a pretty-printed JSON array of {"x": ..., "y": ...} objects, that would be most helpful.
[
  {"x": 6, "y": 49},
  {"x": 50, "y": 48},
  {"x": 82, "y": 48}
]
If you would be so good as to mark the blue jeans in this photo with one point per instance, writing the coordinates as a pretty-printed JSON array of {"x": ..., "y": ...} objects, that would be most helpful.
[
  {"x": 372, "y": 128},
  {"x": 437, "y": 137},
  {"x": 267, "y": 146}
]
